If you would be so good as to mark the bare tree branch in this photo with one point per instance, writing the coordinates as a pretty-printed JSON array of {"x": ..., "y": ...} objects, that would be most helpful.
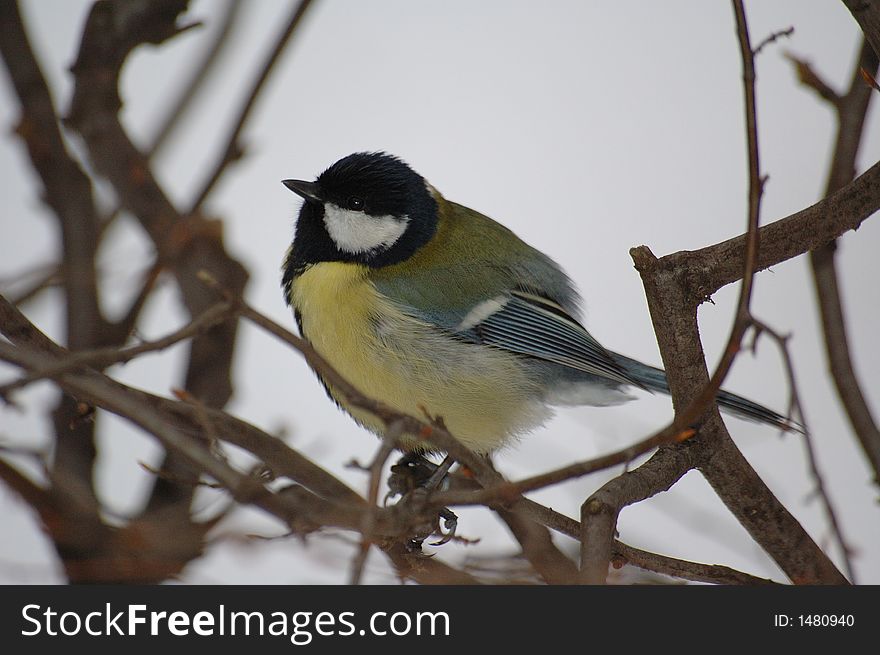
[
  {"x": 867, "y": 15},
  {"x": 850, "y": 109},
  {"x": 106, "y": 356},
  {"x": 347, "y": 508},
  {"x": 538, "y": 547},
  {"x": 299, "y": 508},
  {"x": 694, "y": 571},
  {"x": 600, "y": 511},
  {"x": 675, "y": 286},
  {"x": 159, "y": 541},
  {"x": 508, "y": 490},
  {"x": 39, "y": 280},
  {"x": 68, "y": 192},
  {"x": 808, "y": 77},
  {"x": 706, "y": 270},
  {"x": 375, "y": 469},
  {"x": 185, "y": 245}
]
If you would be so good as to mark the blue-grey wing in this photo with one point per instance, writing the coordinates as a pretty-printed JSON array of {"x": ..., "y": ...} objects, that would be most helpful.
[
  {"x": 535, "y": 326},
  {"x": 532, "y": 325}
]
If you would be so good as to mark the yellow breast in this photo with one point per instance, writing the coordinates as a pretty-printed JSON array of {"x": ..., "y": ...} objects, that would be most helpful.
[{"x": 484, "y": 396}]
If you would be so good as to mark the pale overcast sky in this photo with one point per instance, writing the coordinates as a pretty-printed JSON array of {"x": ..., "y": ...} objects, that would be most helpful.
[{"x": 586, "y": 127}]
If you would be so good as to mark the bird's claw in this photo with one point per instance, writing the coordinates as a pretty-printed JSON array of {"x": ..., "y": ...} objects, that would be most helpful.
[
  {"x": 450, "y": 523},
  {"x": 446, "y": 532},
  {"x": 413, "y": 478}
]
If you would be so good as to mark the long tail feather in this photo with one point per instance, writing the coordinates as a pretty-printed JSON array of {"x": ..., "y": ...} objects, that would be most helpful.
[{"x": 654, "y": 379}]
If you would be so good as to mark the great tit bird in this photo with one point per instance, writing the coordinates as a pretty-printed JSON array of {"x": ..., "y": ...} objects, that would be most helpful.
[{"x": 427, "y": 305}]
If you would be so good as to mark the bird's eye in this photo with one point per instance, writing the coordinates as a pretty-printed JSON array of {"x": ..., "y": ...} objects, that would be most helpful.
[{"x": 355, "y": 202}]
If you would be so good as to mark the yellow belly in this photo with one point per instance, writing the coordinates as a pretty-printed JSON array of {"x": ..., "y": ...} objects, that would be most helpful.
[{"x": 484, "y": 396}]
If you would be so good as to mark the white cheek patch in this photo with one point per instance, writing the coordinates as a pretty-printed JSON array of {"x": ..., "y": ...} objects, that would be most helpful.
[
  {"x": 356, "y": 232},
  {"x": 481, "y": 311}
]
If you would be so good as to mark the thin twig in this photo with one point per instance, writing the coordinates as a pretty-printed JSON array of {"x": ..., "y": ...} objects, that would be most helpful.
[
  {"x": 798, "y": 409},
  {"x": 640, "y": 558},
  {"x": 756, "y": 190},
  {"x": 209, "y": 430},
  {"x": 302, "y": 510},
  {"x": 103, "y": 357},
  {"x": 694, "y": 571},
  {"x": 599, "y": 515},
  {"x": 122, "y": 328},
  {"x": 808, "y": 77},
  {"x": 44, "y": 277},
  {"x": 200, "y": 73},
  {"x": 772, "y": 38},
  {"x": 506, "y": 491},
  {"x": 389, "y": 443},
  {"x": 676, "y": 285},
  {"x": 233, "y": 151},
  {"x": 850, "y": 110}
]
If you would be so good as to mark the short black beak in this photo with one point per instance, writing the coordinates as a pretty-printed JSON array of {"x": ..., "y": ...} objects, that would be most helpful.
[{"x": 308, "y": 190}]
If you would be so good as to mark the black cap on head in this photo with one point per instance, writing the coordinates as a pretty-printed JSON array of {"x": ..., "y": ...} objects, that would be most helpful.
[{"x": 375, "y": 184}]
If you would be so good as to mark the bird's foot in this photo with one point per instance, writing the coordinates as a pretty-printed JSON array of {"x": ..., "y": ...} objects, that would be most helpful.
[
  {"x": 413, "y": 477},
  {"x": 412, "y": 471},
  {"x": 447, "y": 517}
]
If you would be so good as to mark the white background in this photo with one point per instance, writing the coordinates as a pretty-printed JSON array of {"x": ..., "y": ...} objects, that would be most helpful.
[{"x": 587, "y": 128}]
